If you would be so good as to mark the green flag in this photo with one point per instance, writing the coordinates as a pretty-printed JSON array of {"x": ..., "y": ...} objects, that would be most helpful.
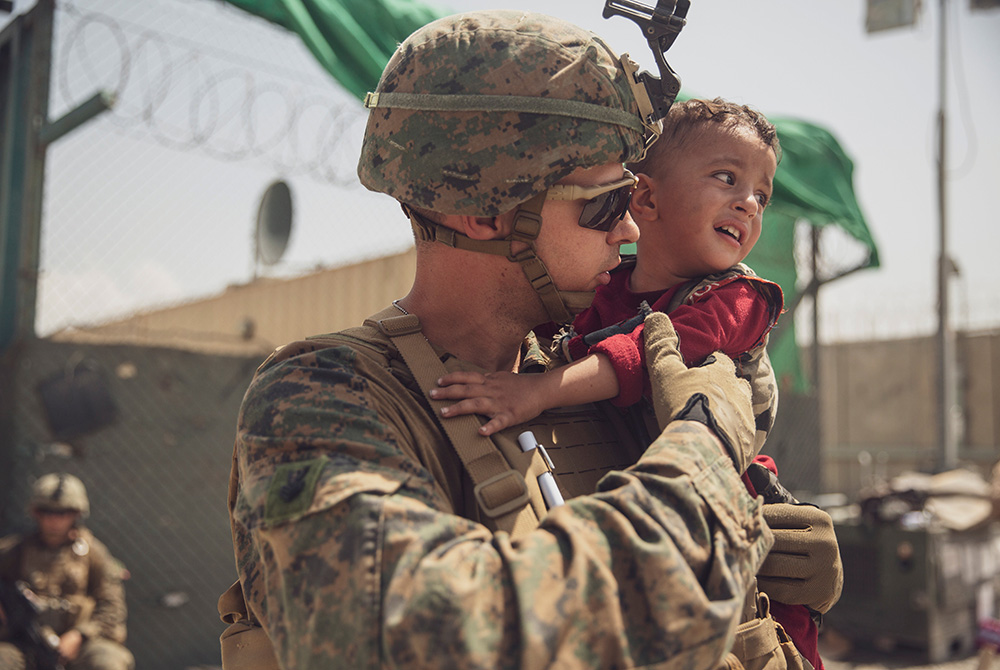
[{"x": 351, "y": 39}]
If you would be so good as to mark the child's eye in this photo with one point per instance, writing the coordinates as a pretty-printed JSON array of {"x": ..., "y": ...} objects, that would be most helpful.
[
  {"x": 762, "y": 199},
  {"x": 726, "y": 177}
]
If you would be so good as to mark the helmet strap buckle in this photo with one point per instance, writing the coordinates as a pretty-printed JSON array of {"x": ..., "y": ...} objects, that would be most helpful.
[{"x": 527, "y": 222}]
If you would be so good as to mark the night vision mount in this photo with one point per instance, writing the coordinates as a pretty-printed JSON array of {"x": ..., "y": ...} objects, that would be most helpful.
[{"x": 660, "y": 25}]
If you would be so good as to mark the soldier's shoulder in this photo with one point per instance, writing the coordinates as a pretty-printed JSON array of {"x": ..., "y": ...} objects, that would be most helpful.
[
  {"x": 308, "y": 373},
  {"x": 340, "y": 347},
  {"x": 96, "y": 551},
  {"x": 366, "y": 339},
  {"x": 86, "y": 535}
]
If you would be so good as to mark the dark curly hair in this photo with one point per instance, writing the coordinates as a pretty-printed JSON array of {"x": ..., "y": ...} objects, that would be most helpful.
[{"x": 686, "y": 117}]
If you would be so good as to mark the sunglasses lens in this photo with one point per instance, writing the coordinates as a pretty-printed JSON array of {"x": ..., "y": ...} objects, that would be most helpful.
[{"x": 605, "y": 211}]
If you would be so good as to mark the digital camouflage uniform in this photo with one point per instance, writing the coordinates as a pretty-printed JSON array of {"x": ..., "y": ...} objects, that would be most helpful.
[
  {"x": 80, "y": 584},
  {"x": 359, "y": 544}
]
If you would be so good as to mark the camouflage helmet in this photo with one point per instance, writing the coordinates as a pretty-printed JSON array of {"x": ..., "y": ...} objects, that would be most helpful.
[
  {"x": 478, "y": 112},
  {"x": 59, "y": 492}
]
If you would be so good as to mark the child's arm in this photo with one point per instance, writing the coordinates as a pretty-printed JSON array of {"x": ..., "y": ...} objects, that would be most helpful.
[{"x": 509, "y": 399}]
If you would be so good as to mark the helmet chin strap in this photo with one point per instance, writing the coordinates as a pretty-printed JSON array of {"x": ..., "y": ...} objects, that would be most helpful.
[{"x": 561, "y": 306}]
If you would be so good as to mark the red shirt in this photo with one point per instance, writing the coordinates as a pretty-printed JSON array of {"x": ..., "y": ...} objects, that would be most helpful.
[{"x": 732, "y": 318}]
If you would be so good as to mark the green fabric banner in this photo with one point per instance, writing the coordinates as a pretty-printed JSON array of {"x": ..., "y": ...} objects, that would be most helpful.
[
  {"x": 815, "y": 182},
  {"x": 772, "y": 258},
  {"x": 353, "y": 40}
]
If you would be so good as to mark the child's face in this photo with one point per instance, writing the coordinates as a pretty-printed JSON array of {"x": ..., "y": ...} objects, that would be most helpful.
[{"x": 708, "y": 204}]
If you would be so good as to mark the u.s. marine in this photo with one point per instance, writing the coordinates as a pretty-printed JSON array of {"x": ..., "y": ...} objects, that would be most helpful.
[{"x": 370, "y": 534}]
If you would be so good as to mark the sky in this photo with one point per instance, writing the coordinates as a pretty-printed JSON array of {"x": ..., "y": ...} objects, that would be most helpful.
[{"x": 138, "y": 214}]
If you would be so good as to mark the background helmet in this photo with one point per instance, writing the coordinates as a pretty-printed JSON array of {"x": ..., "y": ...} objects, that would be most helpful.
[
  {"x": 478, "y": 112},
  {"x": 60, "y": 491}
]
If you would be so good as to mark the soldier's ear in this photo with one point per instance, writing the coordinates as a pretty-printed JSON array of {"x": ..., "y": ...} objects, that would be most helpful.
[
  {"x": 644, "y": 200},
  {"x": 482, "y": 228}
]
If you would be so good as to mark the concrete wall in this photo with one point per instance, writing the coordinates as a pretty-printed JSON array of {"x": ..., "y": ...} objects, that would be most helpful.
[{"x": 879, "y": 407}]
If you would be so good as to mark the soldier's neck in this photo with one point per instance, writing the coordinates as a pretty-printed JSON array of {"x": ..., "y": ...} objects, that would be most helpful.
[
  {"x": 472, "y": 331},
  {"x": 478, "y": 307}
]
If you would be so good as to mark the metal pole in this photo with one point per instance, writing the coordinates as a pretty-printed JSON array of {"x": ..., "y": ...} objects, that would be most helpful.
[
  {"x": 22, "y": 168},
  {"x": 100, "y": 102},
  {"x": 26, "y": 136},
  {"x": 815, "y": 315},
  {"x": 945, "y": 336}
]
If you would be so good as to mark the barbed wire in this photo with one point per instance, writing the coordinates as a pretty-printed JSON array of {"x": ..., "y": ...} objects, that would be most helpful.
[{"x": 189, "y": 97}]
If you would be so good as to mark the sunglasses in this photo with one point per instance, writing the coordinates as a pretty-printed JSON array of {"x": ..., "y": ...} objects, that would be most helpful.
[
  {"x": 56, "y": 512},
  {"x": 606, "y": 203}
]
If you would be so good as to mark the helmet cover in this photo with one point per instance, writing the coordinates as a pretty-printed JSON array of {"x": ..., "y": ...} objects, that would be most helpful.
[
  {"x": 58, "y": 492},
  {"x": 461, "y": 148}
]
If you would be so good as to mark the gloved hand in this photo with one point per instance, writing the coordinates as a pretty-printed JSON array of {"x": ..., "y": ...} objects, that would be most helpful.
[
  {"x": 711, "y": 393},
  {"x": 803, "y": 567}
]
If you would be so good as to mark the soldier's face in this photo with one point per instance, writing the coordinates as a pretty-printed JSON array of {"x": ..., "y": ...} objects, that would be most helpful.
[
  {"x": 578, "y": 258},
  {"x": 55, "y": 526}
]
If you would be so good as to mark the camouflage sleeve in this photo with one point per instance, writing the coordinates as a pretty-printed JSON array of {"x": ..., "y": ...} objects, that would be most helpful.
[
  {"x": 104, "y": 585},
  {"x": 352, "y": 558}
]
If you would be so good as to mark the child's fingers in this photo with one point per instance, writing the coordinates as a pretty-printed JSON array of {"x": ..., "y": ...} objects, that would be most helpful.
[
  {"x": 457, "y": 392},
  {"x": 469, "y": 406},
  {"x": 494, "y": 425},
  {"x": 461, "y": 377}
]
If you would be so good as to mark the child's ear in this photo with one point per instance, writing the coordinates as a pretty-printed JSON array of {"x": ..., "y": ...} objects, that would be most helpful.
[{"x": 643, "y": 205}]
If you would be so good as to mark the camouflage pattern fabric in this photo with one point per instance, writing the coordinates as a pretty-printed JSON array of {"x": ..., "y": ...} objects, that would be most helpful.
[
  {"x": 82, "y": 583},
  {"x": 753, "y": 365},
  {"x": 486, "y": 162},
  {"x": 358, "y": 543}
]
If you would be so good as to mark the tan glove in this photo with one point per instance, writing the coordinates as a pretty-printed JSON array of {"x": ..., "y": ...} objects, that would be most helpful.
[
  {"x": 711, "y": 393},
  {"x": 803, "y": 567}
]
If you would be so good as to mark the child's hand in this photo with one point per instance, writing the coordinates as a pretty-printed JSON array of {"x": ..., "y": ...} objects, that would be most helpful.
[{"x": 507, "y": 398}]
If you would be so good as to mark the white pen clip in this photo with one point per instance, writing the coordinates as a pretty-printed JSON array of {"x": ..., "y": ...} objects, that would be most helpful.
[{"x": 546, "y": 482}]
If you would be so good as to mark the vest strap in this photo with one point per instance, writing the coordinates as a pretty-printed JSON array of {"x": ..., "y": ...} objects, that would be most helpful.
[{"x": 501, "y": 491}]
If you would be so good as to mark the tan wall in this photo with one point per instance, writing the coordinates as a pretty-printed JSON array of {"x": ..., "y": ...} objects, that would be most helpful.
[
  {"x": 878, "y": 393},
  {"x": 280, "y": 311},
  {"x": 980, "y": 357},
  {"x": 879, "y": 407}
]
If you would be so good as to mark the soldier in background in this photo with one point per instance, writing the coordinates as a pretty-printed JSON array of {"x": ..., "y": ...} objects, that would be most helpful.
[{"x": 64, "y": 603}]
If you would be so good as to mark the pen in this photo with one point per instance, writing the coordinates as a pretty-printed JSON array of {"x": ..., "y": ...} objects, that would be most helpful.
[{"x": 546, "y": 482}]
